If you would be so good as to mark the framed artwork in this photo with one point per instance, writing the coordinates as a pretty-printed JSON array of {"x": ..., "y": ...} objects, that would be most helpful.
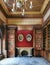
[
  {"x": 29, "y": 37},
  {"x": 20, "y": 37}
]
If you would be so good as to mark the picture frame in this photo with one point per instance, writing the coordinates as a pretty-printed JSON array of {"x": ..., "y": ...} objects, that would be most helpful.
[
  {"x": 28, "y": 37},
  {"x": 20, "y": 37}
]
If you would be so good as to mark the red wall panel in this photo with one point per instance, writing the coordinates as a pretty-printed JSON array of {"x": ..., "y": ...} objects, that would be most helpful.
[{"x": 24, "y": 43}]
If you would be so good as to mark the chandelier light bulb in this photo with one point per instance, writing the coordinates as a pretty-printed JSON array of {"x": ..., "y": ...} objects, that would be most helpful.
[
  {"x": 25, "y": 0},
  {"x": 12, "y": 10},
  {"x": 13, "y": 5},
  {"x": 30, "y": 2},
  {"x": 23, "y": 12},
  {"x": 31, "y": 5},
  {"x": 19, "y": 4},
  {"x": 5, "y": 1}
]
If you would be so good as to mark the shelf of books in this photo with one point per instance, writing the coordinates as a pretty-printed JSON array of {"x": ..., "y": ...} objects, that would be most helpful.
[
  {"x": 44, "y": 38},
  {"x": 46, "y": 41},
  {"x": 38, "y": 39},
  {"x": 11, "y": 43},
  {"x": 48, "y": 26}
]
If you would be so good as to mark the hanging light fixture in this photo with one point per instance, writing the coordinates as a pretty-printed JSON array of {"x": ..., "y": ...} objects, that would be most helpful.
[
  {"x": 5, "y": 1},
  {"x": 13, "y": 10},
  {"x": 20, "y": 4},
  {"x": 23, "y": 12},
  {"x": 31, "y": 6}
]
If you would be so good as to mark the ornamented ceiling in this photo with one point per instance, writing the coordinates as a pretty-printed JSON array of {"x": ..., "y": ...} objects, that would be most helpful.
[
  {"x": 35, "y": 11},
  {"x": 37, "y": 5}
]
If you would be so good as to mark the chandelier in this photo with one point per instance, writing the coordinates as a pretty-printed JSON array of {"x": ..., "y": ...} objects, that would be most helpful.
[{"x": 21, "y": 4}]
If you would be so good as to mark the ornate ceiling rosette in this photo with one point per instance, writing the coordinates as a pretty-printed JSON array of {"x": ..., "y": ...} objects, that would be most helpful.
[
  {"x": 29, "y": 37},
  {"x": 20, "y": 37}
]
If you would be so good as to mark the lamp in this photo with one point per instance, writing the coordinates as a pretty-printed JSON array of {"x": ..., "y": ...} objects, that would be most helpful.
[{"x": 20, "y": 4}]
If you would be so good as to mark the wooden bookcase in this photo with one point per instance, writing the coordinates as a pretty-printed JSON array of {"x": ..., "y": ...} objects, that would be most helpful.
[
  {"x": 38, "y": 39},
  {"x": 48, "y": 26},
  {"x": 44, "y": 38},
  {"x": 46, "y": 41},
  {"x": 11, "y": 42}
]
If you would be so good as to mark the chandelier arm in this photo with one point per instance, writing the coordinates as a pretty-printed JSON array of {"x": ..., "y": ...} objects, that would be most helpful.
[
  {"x": 26, "y": 6},
  {"x": 15, "y": 4}
]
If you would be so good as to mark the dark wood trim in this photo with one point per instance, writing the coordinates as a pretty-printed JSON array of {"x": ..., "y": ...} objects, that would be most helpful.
[
  {"x": 7, "y": 40},
  {"x": 19, "y": 16},
  {"x": 3, "y": 11},
  {"x": 1, "y": 22},
  {"x": 9, "y": 28},
  {"x": 25, "y": 16},
  {"x": 2, "y": 34},
  {"x": 46, "y": 9},
  {"x": 15, "y": 39},
  {"x": 37, "y": 26},
  {"x": 45, "y": 23},
  {"x": 34, "y": 25},
  {"x": 1, "y": 45}
]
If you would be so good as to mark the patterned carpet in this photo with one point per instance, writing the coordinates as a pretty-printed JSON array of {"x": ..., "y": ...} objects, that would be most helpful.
[{"x": 24, "y": 61}]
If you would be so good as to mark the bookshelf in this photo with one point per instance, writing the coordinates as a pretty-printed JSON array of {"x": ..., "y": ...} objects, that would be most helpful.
[
  {"x": 48, "y": 37},
  {"x": 44, "y": 38},
  {"x": 38, "y": 39},
  {"x": 46, "y": 41},
  {"x": 11, "y": 42}
]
